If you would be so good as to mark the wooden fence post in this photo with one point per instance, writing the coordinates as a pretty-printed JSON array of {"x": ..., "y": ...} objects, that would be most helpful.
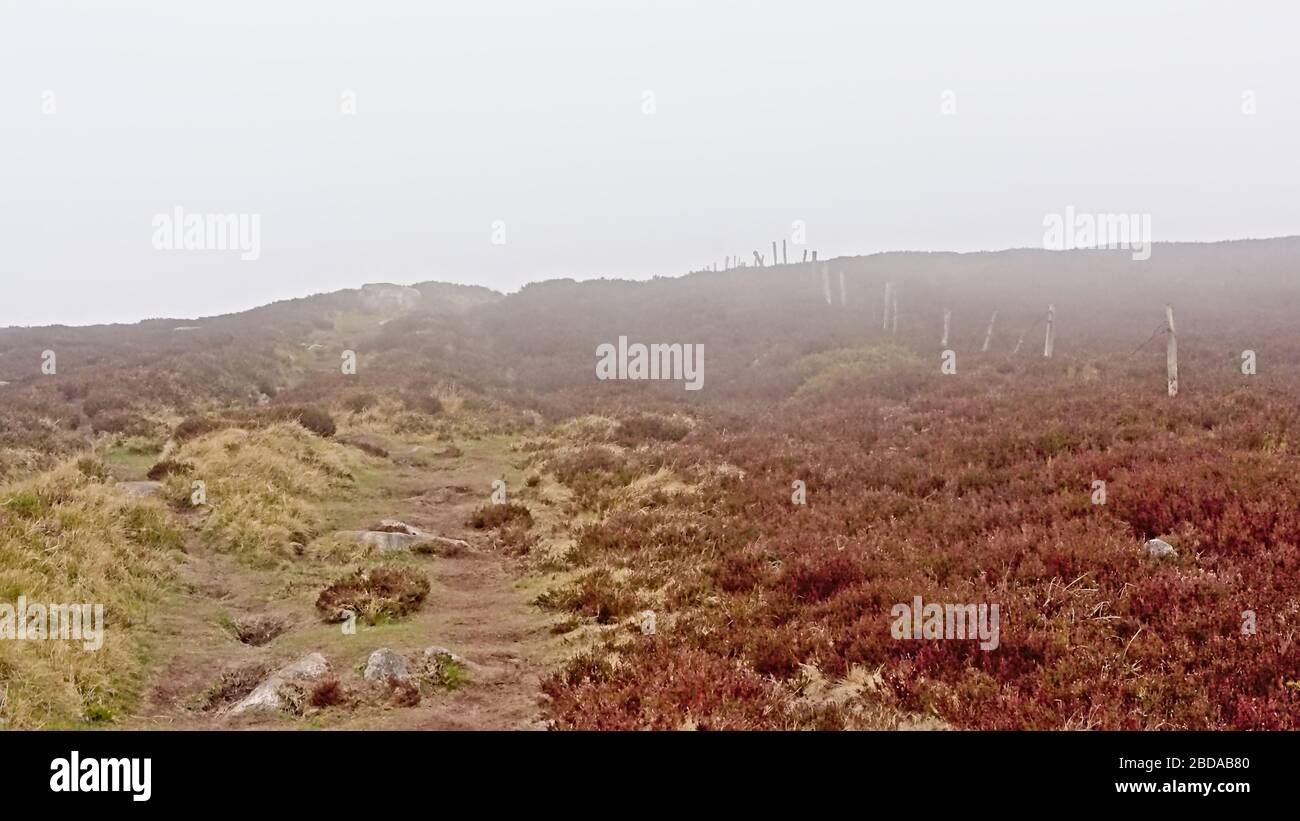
[
  {"x": 1050, "y": 339},
  {"x": 893, "y": 321},
  {"x": 844, "y": 293},
  {"x": 1171, "y": 352},
  {"x": 988, "y": 335},
  {"x": 784, "y": 259},
  {"x": 826, "y": 282},
  {"x": 805, "y": 255},
  {"x": 889, "y": 290},
  {"x": 947, "y": 319}
]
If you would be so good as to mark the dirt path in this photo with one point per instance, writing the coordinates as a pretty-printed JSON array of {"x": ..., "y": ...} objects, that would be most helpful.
[{"x": 479, "y": 607}]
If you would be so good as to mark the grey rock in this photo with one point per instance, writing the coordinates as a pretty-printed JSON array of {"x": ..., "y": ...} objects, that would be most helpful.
[
  {"x": 138, "y": 489},
  {"x": 385, "y": 664},
  {"x": 381, "y": 539},
  {"x": 1157, "y": 549},
  {"x": 481, "y": 673},
  {"x": 436, "y": 652},
  {"x": 392, "y": 534},
  {"x": 441, "y": 545},
  {"x": 273, "y": 694},
  {"x": 395, "y": 526}
]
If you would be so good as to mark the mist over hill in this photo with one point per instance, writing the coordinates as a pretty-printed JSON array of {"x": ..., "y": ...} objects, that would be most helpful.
[{"x": 542, "y": 339}]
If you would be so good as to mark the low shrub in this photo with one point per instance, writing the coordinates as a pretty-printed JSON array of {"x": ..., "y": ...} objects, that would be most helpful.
[{"x": 377, "y": 594}]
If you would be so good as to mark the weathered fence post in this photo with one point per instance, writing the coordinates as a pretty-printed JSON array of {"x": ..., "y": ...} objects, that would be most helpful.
[
  {"x": 844, "y": 293},
  {"x": 889, "y": 290},
  {"x": 1171, "y": 352},
  {"x": 988, "y": 335},
  {"x": 784, "y": 259},
  {"x": 1050, "y": 339},
  {"x": 805, "y": 255},
  {"x": 826, "y": 282},
  {"x": 947, "y": 319},
  {"x": 893, "y": 322},
  {"x": 774, "y": 256}
]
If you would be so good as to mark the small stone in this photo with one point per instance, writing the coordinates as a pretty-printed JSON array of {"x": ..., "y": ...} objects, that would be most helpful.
[{"x": 1157, "y": 549}]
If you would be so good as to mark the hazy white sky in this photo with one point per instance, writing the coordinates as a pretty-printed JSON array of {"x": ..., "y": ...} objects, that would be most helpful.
[{"x": 532, "y": 113}]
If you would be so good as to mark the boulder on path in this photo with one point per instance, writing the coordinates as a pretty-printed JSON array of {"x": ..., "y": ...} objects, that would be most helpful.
[
  {"x": 392, "y": 534},
  {"x": 385, "y": 664},
  {"x": 381, "y": 539},
  {"x": 434, "y": 657},
  {"x": 139, "y": 489},
  {"x": 282, "y": 687},
  {"x": 1158, "y": 549}
]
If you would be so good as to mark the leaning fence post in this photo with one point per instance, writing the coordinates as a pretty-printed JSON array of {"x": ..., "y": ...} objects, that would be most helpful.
[
  {"x": 1171, "y": 352},
  {"x": 988, "y": 335}
]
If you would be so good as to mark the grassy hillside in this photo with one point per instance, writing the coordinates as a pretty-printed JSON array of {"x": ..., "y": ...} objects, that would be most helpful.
[{"x": 973, "y": 486}]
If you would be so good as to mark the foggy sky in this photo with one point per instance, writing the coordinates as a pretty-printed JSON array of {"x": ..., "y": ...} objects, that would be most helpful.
[{"x": 531, "y": 113}]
